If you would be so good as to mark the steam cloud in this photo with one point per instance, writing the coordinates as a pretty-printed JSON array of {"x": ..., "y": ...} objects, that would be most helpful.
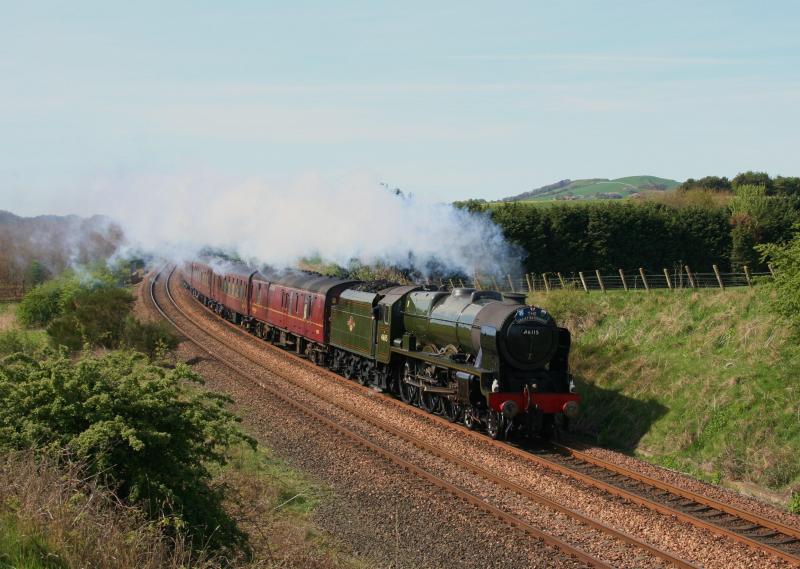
[{"x": 177, "y": 216}]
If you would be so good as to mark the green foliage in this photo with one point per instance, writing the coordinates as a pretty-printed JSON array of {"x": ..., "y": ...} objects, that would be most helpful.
[
  {"x": 751, "y": 178},
  {"x": 785, "y": 186},
  {"x": 135, "y": 425},
  {"x": 794, "y": 503},
  {"x": 37, "y": 273},
  {"x": 92, "y": 316},
  {"x": 472, "y": 205},
  {"x": 22, "y": 550},
  {"x": 785, "y": 260},
  {"x": 610, "y": 235},
  {"x": 150, "y": 338},
  {"x": 713, "y": 183},
  {"x": 22, "y": 341},
  {"x": 697, "y": 380},
  {"x": 40, "y": 305}
]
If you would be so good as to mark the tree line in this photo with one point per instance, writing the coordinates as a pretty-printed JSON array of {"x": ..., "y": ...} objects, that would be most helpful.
[{"x": 691, "y": 228}]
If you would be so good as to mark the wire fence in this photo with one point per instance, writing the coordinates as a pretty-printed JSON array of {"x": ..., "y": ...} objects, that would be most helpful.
[{"x": 630, "y": 280}]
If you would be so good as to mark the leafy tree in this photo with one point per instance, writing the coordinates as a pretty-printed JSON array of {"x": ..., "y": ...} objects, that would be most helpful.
[
  {"x": 37, "y": 273},
  {"x": 472, "y": 205},
  {"x": 785, "y": 259},
  {"x": 136, "y": 425},
  {"x": 751, "y": 178},
  {"x": 713, "y": 183},
  {"x": 786, "y": 186}
]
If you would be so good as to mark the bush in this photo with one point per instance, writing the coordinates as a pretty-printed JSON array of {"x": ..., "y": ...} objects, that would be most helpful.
[
  {"x": 786, "y": 285},
  {"x": 148, "y": 337},
  {"x": 136, "y": 425},
  {"x": 95, "y": 317},
  {"x": 21, "y": 341},
  {"x": 40, "y": 305}
]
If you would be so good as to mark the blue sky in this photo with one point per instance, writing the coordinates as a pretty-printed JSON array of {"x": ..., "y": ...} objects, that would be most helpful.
[{"x": 449, "y": 100}]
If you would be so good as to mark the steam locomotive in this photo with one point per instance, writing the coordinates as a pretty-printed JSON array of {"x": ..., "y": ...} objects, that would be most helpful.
[{"x": 474, "y": 356}]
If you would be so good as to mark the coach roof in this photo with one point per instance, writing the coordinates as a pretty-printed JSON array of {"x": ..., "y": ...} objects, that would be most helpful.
[{"x": 309, "y": 282}]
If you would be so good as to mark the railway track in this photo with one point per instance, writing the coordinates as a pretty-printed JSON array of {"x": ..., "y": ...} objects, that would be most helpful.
[
  {"x": 760, "y": 533},
  {"x": 475, "y": 469}
]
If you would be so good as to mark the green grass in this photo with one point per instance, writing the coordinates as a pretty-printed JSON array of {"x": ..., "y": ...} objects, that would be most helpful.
[
  {"x": 591, "y": 187},
  {"x": 703, "y": 382},
  {"x": 21, "y": 549},
  {"x": 293, "y": 492}
]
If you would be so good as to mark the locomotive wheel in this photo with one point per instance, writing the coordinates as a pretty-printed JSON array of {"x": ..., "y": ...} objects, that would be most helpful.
[
  {"x": 494, "y": 425},
  {"x": 470, "y": 420},
  {"x": 349, "y": 368},
  {"x": 452, "y": 410},
  {"x": 408, "y": 393},
  {"x": 428, "y": 402},
  {"x": 364, "y": 374}
]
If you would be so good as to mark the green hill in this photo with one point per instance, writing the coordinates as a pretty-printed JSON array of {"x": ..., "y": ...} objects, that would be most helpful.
[{"x": 595, "y": 188}]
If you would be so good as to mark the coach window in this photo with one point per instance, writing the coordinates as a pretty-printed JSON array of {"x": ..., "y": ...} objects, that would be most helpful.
[
  {"x": 307, "y": 308},
  {"x": 385, "y": 310}
]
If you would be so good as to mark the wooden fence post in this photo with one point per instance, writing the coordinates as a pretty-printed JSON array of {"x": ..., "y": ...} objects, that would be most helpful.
[
  {"x": 624, "y": 282},
  {"x": 600, "y": 280},
  {"x": 452, "y": 284},
  {"x": 528, "y": 280},
  {"x": 666, "y": 276},
  {"x": 533, "y": 281},
  {"x": 477, "y": 281},
  {"x": 771, "y": 270},
  {"x": 460, "y": 283},
  {"x": 644, "y": 280},
  {"x": 691, "y": 277},
  {"x": 511, "y": 283},
  {"x": 546, "y": 282},
  {"x": 583, "y": 281},
  {"x": 719, "y": 277},
  {"x": 494, "y": 283},
  {"x": 561, "y": 280},
  {"x": 747, "y": 276}
]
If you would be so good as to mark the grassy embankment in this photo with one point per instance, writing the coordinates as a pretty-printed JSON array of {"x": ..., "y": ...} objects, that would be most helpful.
[
  {"x": 704, "y": 382},
  {"x": 53, "y": 517}
]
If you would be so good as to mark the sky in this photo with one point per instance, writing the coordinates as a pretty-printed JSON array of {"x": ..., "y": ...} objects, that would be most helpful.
[{"x": 447, "y": 100}]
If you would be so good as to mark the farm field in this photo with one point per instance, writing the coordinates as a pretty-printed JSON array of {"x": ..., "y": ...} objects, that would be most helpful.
[
  {"x": 695, "y": 381},
  {"x": 595, "y": 188}
]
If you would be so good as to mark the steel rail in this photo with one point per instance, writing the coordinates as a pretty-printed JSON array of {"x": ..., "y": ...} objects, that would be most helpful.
[
  {"x": 359, "y": 440},
  {"x": 477, "y": 469},
  {"x": 627, "y": 495},
  {"x": 684, "y": 493}
]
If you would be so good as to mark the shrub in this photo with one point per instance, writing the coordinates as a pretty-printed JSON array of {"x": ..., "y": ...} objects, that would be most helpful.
[
  {"x": 22, "y": 341},
  {"x": 136, "y": 425},
  {"x": 94, "y": 316},
  {"x": 148, "y": 337},
  {"x": 786, "y": 286},
  {"x": 40, "y": 305}
]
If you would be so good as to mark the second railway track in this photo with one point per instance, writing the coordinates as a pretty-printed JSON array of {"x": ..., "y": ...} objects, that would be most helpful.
[{"x": 558, "y": 462}]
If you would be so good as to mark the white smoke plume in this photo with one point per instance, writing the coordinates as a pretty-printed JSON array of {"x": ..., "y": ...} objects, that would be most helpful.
[{"x": 274, "y": 224}]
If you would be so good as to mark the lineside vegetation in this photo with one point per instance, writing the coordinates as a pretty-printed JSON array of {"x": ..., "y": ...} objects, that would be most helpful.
[
  {"x": 700, "y": 381},
  {"x": 112, "y": 455}
]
